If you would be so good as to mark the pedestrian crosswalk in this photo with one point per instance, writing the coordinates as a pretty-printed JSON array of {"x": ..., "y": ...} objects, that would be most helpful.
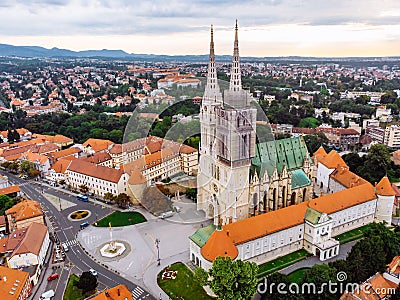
[
  {"x": 137, "y": 292},
  {"x": 71, "y": 243}
]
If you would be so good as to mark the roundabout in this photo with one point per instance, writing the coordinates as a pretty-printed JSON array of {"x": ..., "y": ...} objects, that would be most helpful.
[{"x": 79, "y": 215}]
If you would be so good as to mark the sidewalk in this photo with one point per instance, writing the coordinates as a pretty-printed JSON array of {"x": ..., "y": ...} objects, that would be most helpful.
[
  {"x": 150, "y": 275},
  {"x": 313, "y": 260}
]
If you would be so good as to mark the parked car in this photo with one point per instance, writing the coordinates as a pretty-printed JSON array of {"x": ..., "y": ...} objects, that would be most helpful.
[
  {"x": 167, "y": 214},
  {"x": 52, "y": 277},
  {"x": 65, "y": 247},
  {"x": 84, "y": 225},
  {"x": 25, "y": 177},
  {"x": 47, "y": 295}
]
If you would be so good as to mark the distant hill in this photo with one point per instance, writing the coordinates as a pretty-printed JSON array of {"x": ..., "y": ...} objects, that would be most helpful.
[{"x": 40, "y": 52}]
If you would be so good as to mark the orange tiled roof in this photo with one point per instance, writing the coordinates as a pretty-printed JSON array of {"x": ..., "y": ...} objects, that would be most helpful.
[
  {"x": 97, "y": 171},
  {"x": 347, "y": 178},
  {"x": 97, "y": 144},
  {"x": 25, "y": 209},
  {"x": 219, "y": 244},
  {"x": 32, "y": 240},
  {"x": 2, "y": 220},
  {"x": 4, "y": 245},
  {"x": 65, "y": 152},
  {"x": 10, "y": 190},
  {"x": 332, "y": 160},
  {"x": 187, "y": 149},
  {"x": 375, "y": 288},
  {"x": 343, "y": 199},
  {"x": 320, "y": 153},
  {"x": 274, "y": 221},
  {"x": 116, "y": 149},
  {"x": 119, "y": 292},
  {"x": 15, "y": 283},
  {"x": 384, "y": 188},
  {"x": 57, "y": 139},
  {"x": 258, "y": 226},
  {"x": 61, "y": 165},
  {"x": 97, "y": 158},
  {"x": 394, "y": 265},
  {"x": 33, "y": 157}
]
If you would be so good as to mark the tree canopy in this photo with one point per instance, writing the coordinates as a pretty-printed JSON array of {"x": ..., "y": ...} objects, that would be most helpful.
[{"x": 233, "y": 279}]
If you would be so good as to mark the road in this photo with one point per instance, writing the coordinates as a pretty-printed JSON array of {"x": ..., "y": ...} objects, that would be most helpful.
[{"x": 66, "y": 231}]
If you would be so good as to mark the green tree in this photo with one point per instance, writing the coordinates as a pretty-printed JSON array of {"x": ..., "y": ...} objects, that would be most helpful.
[
  {"x": 201, "y": 276},
  {"x": 376, "y": 164},
  {"x": 5, "y": 203},
  {"x": 191, "y": 193},
  {"x": 109, "y": 197},
  {"x": 87, "y": 282},
  {"x": 83, "y": 188},
  {"x": 320, "y": 275},
  {"x": 353, "y": 160},
  {"x": 122, "y": 200},
  {"x": 269, "y": 288},
  {"x": 390, "y": 239},
  {"x": 26, "y": 166},
  {"x": 233, "y": 279},
  {"x": 314, "y": 141}
]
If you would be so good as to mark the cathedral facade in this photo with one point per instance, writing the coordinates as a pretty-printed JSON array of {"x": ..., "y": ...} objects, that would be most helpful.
[{"x": 238, "y": 177}]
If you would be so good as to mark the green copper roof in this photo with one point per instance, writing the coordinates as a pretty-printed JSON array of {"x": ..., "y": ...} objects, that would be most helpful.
[
  {"x": 299, "y": 179},
  {"x": 312, "y": 215},
  {"x": 288, "y": 152},
  {"x": 201, "y": 236}
]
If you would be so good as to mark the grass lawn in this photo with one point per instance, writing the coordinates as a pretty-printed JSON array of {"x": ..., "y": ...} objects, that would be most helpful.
[
  {"x": 183, "y": 286},
  {"x": 282, "y": 262},
  {"x": 119, "y": 219},
  {"x": 71, "y": 291},
  {"x": 297, "y": 276},
  {"x": 352, "y": 235}
]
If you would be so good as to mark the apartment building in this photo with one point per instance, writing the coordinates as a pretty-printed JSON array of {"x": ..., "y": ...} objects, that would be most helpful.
[{"x": 392, "y": 136}]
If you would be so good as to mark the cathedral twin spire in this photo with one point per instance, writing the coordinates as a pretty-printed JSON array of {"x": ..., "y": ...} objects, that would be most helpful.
[
  {"x": 212, "y": 88},
  {"x": 236, "y": 78}
]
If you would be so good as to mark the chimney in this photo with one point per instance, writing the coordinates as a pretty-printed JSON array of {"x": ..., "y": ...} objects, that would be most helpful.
[
  {"x": 119, "y": 293},
  {"x": 227, "y": 232},
  {"x": 107, "y": 294}
]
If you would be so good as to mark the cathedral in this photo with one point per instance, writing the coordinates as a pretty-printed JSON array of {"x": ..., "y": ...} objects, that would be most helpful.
[
  {"x": 260, "y": 194},
  {"x": 238, "y": 177}
]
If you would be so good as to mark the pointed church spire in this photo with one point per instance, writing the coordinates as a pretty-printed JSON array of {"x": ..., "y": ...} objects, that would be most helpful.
[
  {"x": 236, "y": 78},
  {"x": 212, "y": 91}
]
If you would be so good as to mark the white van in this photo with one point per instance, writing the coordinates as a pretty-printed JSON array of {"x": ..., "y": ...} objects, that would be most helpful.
[
  {"x": 167, "y": 214},
  {"x": 47, "y": 295}
]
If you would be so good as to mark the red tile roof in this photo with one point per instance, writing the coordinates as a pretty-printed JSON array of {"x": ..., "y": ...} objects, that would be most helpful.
[
  {"x": 384, "y": 188},
  {"x": 97, "y": 171}
]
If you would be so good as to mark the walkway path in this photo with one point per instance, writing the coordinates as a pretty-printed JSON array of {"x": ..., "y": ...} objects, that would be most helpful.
[{"x": 313, "y": 260}]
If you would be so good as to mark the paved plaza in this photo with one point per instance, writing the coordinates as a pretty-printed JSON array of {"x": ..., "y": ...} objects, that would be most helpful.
[{"x": 139, "y": 261}]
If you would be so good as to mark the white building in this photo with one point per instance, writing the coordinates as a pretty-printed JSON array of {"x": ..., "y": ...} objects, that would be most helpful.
[
  {"x": 31, "y": 248},
  {"x": 99, "y": 179},
  {"x": 392, "y": 136},
  {"x": 311, "y": 226}
]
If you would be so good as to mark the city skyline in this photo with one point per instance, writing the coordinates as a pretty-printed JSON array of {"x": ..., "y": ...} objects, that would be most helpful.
[{"x": 270, "y": 28}]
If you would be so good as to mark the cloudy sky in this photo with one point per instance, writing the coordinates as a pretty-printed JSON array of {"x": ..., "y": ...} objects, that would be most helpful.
[{"x": 266, "y": 28}]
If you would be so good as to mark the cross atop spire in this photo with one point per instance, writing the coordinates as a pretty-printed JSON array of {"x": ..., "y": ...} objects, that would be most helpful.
[
  {"x": 236, "y": 78},
  {"x": 212, "y": 91}
]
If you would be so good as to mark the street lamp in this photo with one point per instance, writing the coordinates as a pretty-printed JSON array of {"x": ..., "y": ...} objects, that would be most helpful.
[{"x": 158, "y": 251}]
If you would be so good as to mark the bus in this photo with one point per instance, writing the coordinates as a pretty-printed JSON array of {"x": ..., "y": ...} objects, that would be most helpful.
[{"x": 82, "y": 198}]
